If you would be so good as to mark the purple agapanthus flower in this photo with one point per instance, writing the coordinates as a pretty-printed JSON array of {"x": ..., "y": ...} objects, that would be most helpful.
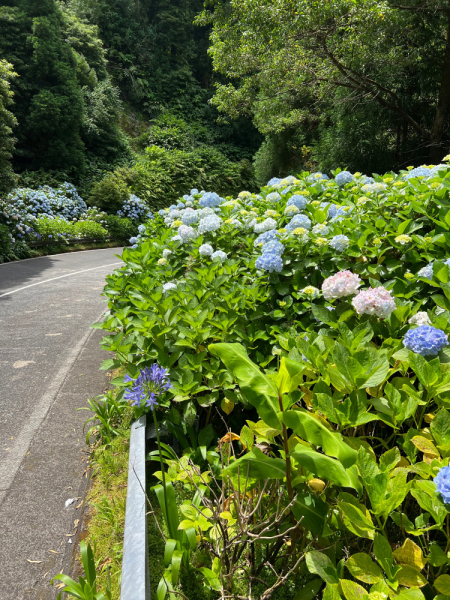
[{"x": 148, "y": 386}]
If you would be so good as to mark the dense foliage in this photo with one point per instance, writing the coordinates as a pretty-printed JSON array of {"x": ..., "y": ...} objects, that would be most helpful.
[
  {"x": 304, "y": 331},
  {"x": 7, "y": 122},
  {"x": 349, "y": 77}
]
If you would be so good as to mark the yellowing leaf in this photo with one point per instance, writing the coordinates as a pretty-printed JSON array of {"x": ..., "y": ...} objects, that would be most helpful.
[
  {"x": 352, "y": 590},
  {"x": 229, "y": 437},
  {"x": 403, "y": 462},
  {"x": 316, "y": 485},
  {"x": 227, "y": 406},
  {"x": 425, "y": 446},
  {"x": 428, "y": 418},
  {"x": 362, "y": 567},
  {"x": 409, "y": 577},
  {"x": 410, "y": 554},
  {"x": 226, "y": 515}
]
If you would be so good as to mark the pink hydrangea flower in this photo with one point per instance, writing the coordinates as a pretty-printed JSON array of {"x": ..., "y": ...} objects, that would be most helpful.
[
  {"x": 374, "y": 301},
  {"x": 344, "y": 283}
]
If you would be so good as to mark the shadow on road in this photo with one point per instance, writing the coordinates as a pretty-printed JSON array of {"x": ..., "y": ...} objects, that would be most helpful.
[{"x": 21, "y": 273}]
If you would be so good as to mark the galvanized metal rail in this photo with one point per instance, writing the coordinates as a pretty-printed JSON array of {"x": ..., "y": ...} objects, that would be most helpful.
[{"x": 135, "y": 569}]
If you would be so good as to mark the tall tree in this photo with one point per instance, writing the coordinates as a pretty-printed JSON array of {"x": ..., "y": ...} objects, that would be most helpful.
[
  {"x": 7, "y": 122},
  {"x": 281, "y": 52}
]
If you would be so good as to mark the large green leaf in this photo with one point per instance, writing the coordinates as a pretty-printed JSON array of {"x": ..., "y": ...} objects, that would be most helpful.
[
  {"x": 327, "y": 468},
  {"x": 311, "y": 429},
  {"x": 319, "y": 564},
  {"x": 313, "y": 510},
  {"x": 362, "y": 567},
  {"x": 259, "y": 390},
  {"x": 258, "y": 466}
]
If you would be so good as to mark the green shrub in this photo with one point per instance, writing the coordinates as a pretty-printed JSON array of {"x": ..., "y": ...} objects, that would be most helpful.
[
  {"x": 120, "y": 228},
  {"x": 165, "y": 175},
  {"x": 109, "y": 193},
  {"x": 54, "y": 230}
]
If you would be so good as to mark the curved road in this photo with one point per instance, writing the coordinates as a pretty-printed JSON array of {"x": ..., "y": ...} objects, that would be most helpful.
[{"x": 49, "y": 360}]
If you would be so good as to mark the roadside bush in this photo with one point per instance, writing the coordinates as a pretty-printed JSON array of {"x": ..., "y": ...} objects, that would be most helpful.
[
  {"x": 54, "y": 229},
  {"x": 110, "y": 193},
  {"x": 120, "y": 228},
  {"x": 304, "y": 332}
]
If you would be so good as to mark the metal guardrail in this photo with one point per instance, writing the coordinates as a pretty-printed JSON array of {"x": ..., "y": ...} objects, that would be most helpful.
[{"x": 135, "y": 568}]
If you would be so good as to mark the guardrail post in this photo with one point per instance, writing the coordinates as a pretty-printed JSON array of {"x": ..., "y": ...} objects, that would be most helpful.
[{"x": 135, "y": 572}]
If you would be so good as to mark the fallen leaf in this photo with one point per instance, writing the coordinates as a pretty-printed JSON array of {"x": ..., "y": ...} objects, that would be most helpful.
[
  {"x": 34, "y": 561},
  {"x": 54, "y": 551},
  {"x": 81, "y": 504}
]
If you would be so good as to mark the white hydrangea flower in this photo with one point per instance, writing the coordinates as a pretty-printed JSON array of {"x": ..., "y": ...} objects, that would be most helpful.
[
  {"x": 320, "y": 229},
  {"x": 420, "y": 318},
  {"x": 166, "y": 253},
  {"x": 265, "y": 225},
  {"x": 186, "y": 233},
  {"x": 209, "y": 223},
  {"x": 169, "y": 286},
  {"x": 206, "y": 250},
  {"x": 219, "y": 254}
]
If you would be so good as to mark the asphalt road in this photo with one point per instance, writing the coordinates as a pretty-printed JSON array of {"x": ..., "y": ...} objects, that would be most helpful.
[{"x": 49, "y": 360}]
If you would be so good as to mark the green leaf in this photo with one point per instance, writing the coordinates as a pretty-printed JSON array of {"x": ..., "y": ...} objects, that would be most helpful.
[
  {"x": 290, "y": 376},
  {"x": 354, "y": 515},
  {"x": 442, "y": 584},
  {"x": 211, "y": 578},
  {"x": 311, "y": 429},
  {"x": 382, "y": 550},
  {"x": 326, "y": 468},
  {"x": 313, "y": 510},
  {"x": 331, "y": 592},
  {"x": 440, "y": 427},
  {"x": 437, "y": 556},
  {"x": 310, "y": 590},
  {"x": 246, "y": 437},
  {"x": 258, "y": 466},
  {"x": 352, "y": 590},
  {"x": 427, "y": 372},
  {"x": 319, "y": 564},
  {"x": 362, "y": 567},
  {"x": 257, "y": 388}
]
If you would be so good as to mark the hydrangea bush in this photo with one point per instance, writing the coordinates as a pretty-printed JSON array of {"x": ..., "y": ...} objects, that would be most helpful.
[
  {"x": 310, "y": 378},
  {"x": 54, "y": 214}
]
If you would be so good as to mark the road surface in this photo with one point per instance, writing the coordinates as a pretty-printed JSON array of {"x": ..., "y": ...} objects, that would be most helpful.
[{"x": 49, "y": 360}]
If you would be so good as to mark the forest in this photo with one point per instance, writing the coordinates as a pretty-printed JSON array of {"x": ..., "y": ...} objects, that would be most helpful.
[{"x": 161, "y": 96}]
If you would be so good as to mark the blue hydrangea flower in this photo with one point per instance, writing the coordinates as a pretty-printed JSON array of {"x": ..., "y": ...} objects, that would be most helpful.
[
  {"x": 172, "y": 207},
  {"x": 161, "y": 212},
  {"x": 320, "y": 229},
  {"x": 193, "y": 192},
  {"x": 343, "y": 178},
  {"x": 141, "y": 228},
  {"x": 342, "y": 212},
  {"x": 317, "y": 177},
  {"x": 265, "y": 237},
  {"x": 273, "y": 181},
  {"x": 296, "y": 200},
  {"x": 425, "y": 340},
  {"x": 299, "y": 221},
  {"x": 206, "y": 250},
  {"x": 219, "y": 254},
  {"x": 151, "y": 383},
  {"x": 189, "y": 217},
  {"x": 332, "y": 209},
  {"x": 269, "y": 262},
  {"x": 134, "y": 240},
  {"x": 426, "y": 272},
  {"x": 340, "y": 243},
  {"x": 209, "y": 223},
  {"x": 418, "y": 172},
  {"x": 210, "y": 199},
  {"x": 442, "y": 481},
  {"x": 273, "y": 247},
  {"x": 367, "y": 180}
]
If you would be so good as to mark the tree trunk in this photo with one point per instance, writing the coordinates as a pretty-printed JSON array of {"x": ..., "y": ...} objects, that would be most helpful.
[{"x": 437, "y": 133}]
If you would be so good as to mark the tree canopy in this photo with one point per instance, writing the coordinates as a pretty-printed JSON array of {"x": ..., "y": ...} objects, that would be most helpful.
[{"x": 298, "y": 63}]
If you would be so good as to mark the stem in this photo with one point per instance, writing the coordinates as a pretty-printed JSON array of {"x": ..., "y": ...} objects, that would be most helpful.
[
  {"x": 162, "y": 466},
  {"x": 286, "y": 451}
]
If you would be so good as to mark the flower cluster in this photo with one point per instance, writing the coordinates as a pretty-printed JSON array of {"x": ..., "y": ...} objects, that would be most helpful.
[
  {"x": 209, "y": 223},
  {"x": 265, "y": 225},
  {"x": 186, "y": 233},
  {"x": 206, "y": 250},
  {"x": 135, "y": 209},
  {"x": 420, "y": 318},
  {"x": 151, "y": 383},
  {"x": 210, "y": 199},
  {"x": 299, "y": 221},
  {"x": 425, "y": 340},
  {"x": 344, "y": 283},
  {"x": 374, "y": 301},
  {"x": 269, "y": 262},
  {"x": 442, "y": 481},
  {"x": 343, "y": 178},
  {"x": 340, "y": 243},
  {"x": 273, "y": 247}
]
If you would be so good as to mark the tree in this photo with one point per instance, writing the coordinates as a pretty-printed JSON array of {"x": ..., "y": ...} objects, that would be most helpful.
[
  {"x": 7, "y": 122},
  {"x": 289, "y": 61}
]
